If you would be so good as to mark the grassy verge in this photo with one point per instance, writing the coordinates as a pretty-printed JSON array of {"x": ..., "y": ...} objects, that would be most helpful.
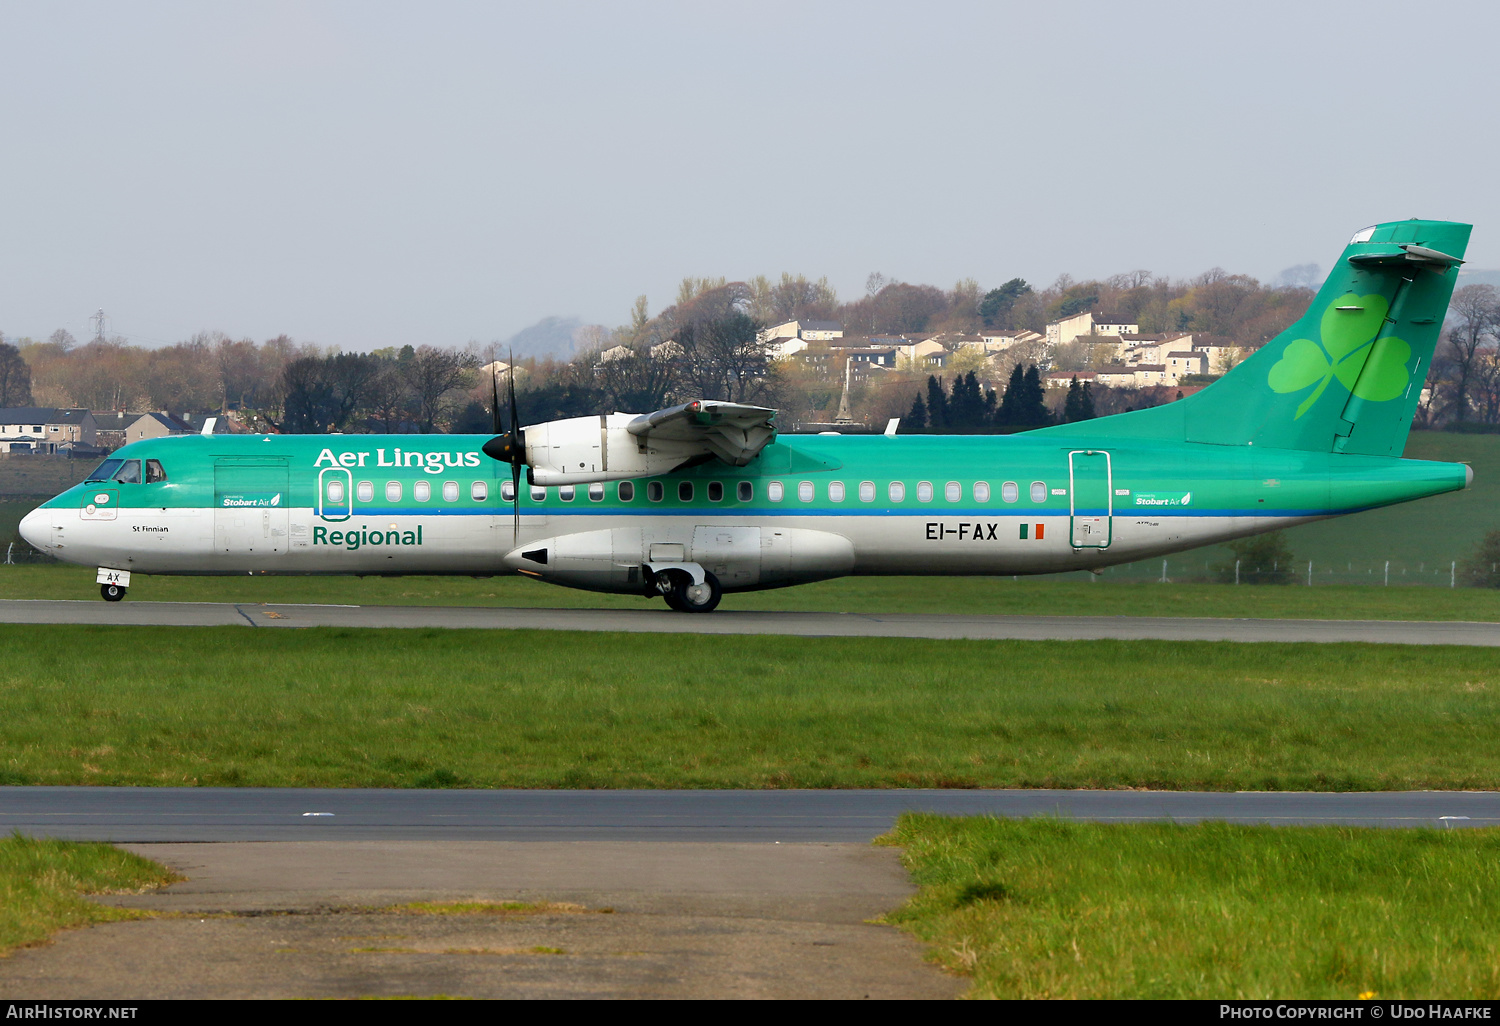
[
  {"x": 1074, "y": 595},
  {"x": 439, "y": 708},
  {"x": 1041, "y": 908},
  {"x": 43, "y": 884}
]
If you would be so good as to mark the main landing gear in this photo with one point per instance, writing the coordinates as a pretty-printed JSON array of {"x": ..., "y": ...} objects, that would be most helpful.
[
  {"x": 111, "y": 592},
  {"x": 677, "y": 587}
]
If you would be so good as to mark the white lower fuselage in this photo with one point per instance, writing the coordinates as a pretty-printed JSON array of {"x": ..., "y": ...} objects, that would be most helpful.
[{"x": 605, "y": 551}]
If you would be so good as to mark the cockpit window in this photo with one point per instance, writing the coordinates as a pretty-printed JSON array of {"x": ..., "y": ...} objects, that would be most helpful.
[
  {"x": 106, "y": 471},
  {"x": 129, "y": 473},
  {"x": 155, "y": 472}
]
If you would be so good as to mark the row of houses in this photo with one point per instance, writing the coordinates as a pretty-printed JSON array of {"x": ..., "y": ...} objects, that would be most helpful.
[
  {"x": 1118, "y": 351},
  {"x": 44, "y": 430}
]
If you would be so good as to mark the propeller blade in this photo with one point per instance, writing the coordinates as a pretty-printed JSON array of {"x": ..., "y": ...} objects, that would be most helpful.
[
  {"x": 518, "y": 450},
  {"x": 515, "y": 496},
  {"x": 515, "y": 413},
  {"x": 496, "y": 424}
]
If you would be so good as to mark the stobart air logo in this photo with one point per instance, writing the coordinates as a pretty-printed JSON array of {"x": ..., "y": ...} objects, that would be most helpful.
[{"x": 1348, "y": 330}]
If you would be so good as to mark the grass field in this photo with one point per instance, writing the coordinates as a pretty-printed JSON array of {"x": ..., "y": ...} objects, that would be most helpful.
[
  {"x": 1049, "y": 909},
  {"x": 1032, "y": 596},
  {"x": 43, "y": 886},
  {"x": 438, "y": 708}
]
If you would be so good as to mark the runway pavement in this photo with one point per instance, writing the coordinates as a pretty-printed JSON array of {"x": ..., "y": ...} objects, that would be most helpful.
[
  {"x": 131, "y": 814},
  {"x": 799, "y": 624}
]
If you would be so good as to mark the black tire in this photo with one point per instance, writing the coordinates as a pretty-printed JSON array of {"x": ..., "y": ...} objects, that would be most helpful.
[
  {"x": 111, "y": 592},
  {"x": 702, "y": 598}
]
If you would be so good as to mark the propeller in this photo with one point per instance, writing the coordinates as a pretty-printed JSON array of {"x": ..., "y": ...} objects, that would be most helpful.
[{"x": 508, "y": 446}]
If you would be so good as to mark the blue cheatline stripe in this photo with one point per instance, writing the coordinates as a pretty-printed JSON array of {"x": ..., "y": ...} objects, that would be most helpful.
[
  {"x": 1003, "y": 513},
  {"x": 993, "y": 512}
]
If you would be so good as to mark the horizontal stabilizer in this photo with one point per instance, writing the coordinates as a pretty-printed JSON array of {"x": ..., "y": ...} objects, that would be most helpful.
[{"x": 1405, "y": 254}]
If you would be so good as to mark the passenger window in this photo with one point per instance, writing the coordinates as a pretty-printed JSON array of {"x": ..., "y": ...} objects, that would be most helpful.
[
  {"x": 867, "y": 491},
  {"x": 953, "y": 491},
  {"x": 805, "y": 491},
  {"x": 336, "y": 490},
  {"x": 129, "y": 472},
  {"x": 835, "y": 491},
  {"x": 479, "y": 491},
  {"x": 507, "y": 491},
  {"x": 654, "y": 491},
  {"x": 981, "y": 491},
  {"x": 924, "y": 491},
  {"x": 715, "y": 491},
  {"x": 627, "y": 491},
  {"x": 685, "y": 491},
  {"x": 596, "y": 492},
  {"x": 1038, "y": 491},
  {"x": 154, "y": 472},
  {"x": 450, "y": 491},
  {"x": 746, "y": 491},
  {"x": 774, "y": 491},
  {"x": 538, "y": 494},
  {"x": 565, "y": 493},
  {"x": 105, "y": 471},
  {"x": 897, "y": 491},
  {"x": 421, "y": 491},
  {"x": 1010, "y": 491},
  {"x": 365, "y": 491},
  {"x": 393, "y": 491}
]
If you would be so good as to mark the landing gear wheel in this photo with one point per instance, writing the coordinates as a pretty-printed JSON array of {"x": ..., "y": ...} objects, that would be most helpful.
[
  {"x": 695, "y": 598},
  {"x": 111, "y": 592}
]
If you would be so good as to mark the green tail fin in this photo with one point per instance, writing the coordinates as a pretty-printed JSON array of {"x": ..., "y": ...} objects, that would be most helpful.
[{"x": 1347, "y": 376}]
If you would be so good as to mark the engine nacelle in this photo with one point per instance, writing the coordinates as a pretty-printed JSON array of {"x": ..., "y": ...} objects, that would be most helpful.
[{"x": 584, "y": 449}]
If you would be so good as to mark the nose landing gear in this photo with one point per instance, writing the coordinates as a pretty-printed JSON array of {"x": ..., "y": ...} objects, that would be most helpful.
[{"x": 112, "y": 583}]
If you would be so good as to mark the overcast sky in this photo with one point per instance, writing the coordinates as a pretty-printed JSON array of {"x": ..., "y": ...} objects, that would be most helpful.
[{"x": 366, "y": 174}]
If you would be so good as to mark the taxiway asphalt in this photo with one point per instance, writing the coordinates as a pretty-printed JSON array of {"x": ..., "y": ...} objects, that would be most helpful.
[
  {"x": 165, "y": 814},
  {"x": 794, "y": 624}
]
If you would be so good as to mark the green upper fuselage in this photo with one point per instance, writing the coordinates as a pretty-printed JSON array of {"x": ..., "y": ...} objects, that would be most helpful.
[{"x": 1222, "y": 481}]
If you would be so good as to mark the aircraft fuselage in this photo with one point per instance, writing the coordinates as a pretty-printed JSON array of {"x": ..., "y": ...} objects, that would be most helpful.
[{"x": 807, "y": 508}]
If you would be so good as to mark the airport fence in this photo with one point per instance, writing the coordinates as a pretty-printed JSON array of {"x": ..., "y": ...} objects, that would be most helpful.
[{"x": 1380, "y": 573}]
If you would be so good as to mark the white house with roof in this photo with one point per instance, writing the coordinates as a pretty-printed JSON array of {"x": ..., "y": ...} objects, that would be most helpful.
[
  {"x": 1090, "y": 322},
  {"x": 1181, "y": 364},
  {"x": 156, "y": 425},
  {"x": 998, "y": 340},
  {"x": 43, "y": 428},
  {"x": 807, "y": 331},
  {"x": 928, "y": 353}
]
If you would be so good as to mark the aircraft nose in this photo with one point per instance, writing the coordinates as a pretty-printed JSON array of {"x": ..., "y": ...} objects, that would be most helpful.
[{"x": 35, "y": 528}]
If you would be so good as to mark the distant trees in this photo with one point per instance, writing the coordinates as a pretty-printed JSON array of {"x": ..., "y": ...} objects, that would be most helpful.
[
  {"x": 997, "y": 304},
  {"x": 1080, "y": 402},
  {"x": 15, "y": 377},
  {"x": 1476, "y": 310},
  {"x": 1482, "y": 568},
  {"x": 1261, "y": 559},
  {"x": 972, "y": 409}
]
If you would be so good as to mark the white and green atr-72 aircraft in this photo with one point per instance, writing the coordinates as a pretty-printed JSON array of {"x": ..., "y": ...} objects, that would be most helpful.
[{"x": 693, "y": 501}]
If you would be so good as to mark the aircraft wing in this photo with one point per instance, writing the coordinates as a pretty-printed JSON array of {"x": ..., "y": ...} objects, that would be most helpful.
[{"x": 733, "y": 432}]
